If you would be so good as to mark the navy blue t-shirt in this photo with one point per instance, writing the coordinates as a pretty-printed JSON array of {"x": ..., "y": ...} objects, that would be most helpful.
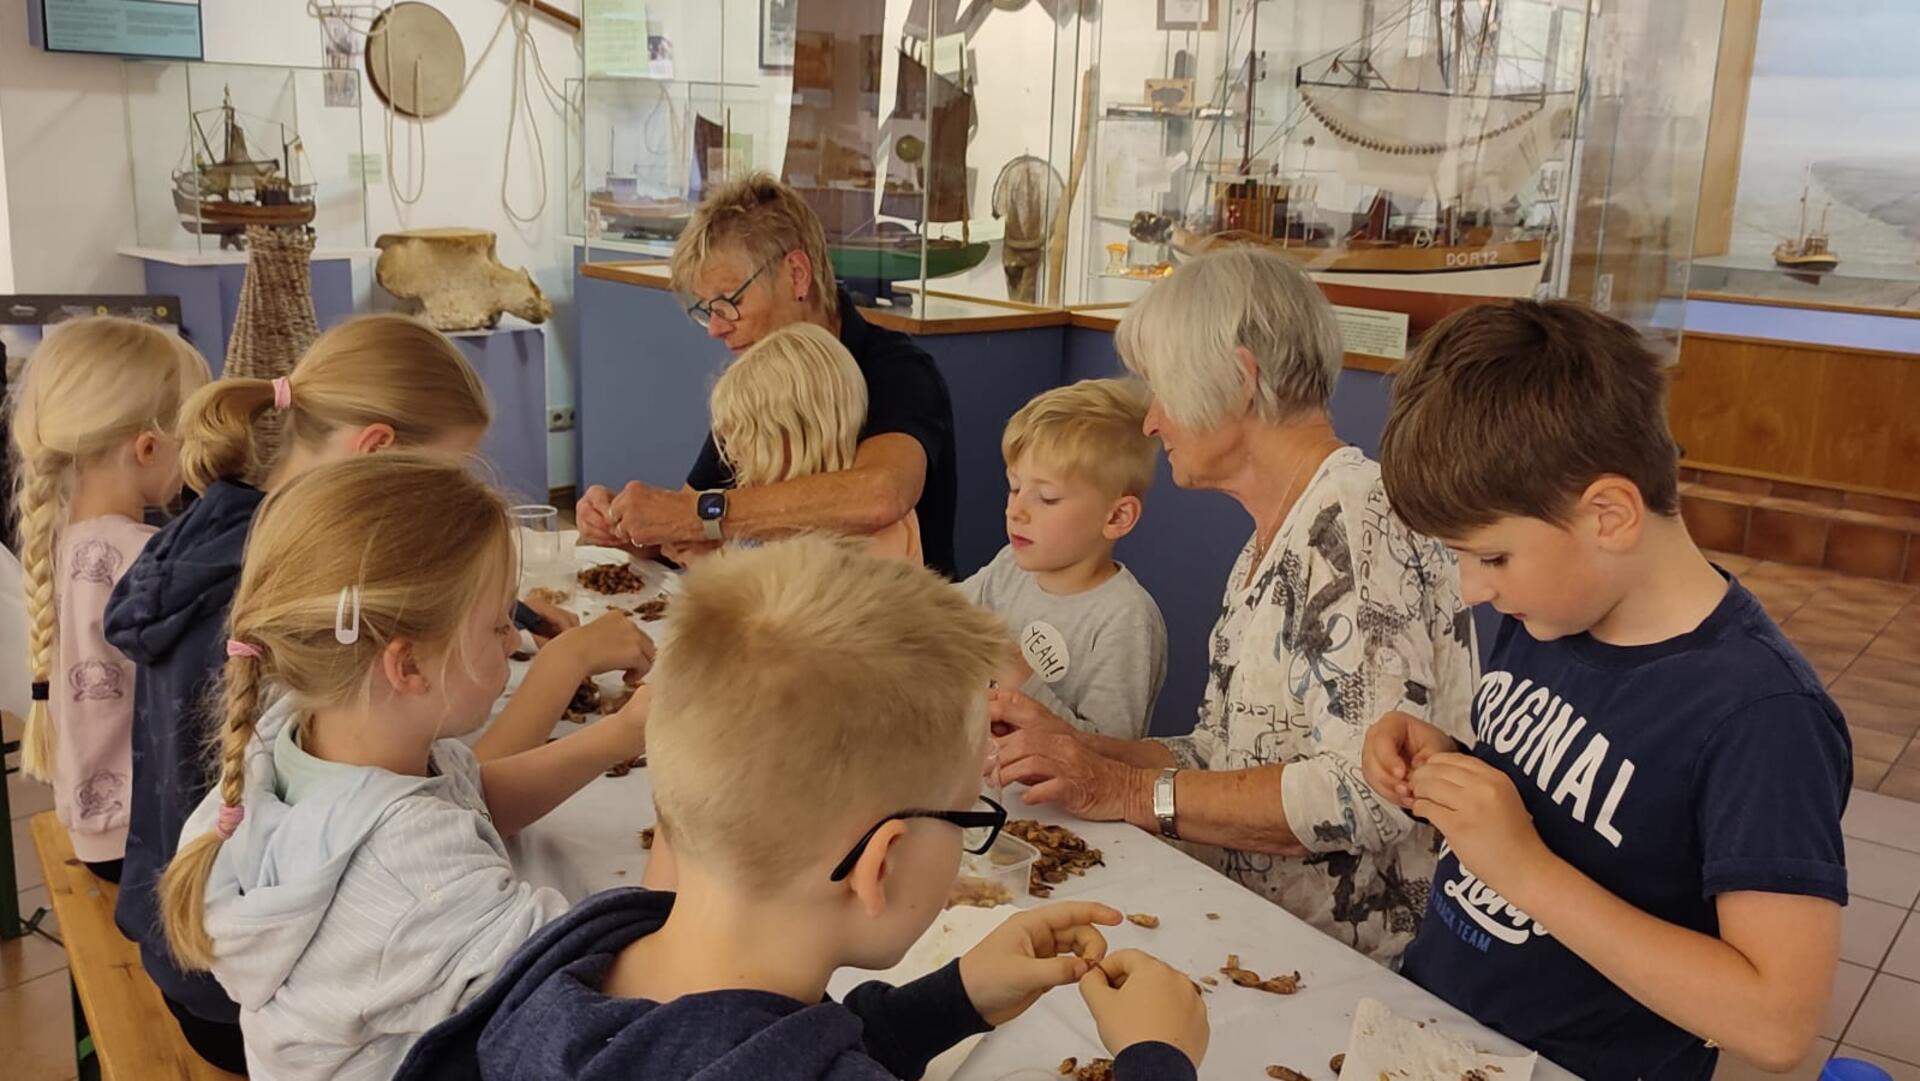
[{"x": 1671, "y": 773}]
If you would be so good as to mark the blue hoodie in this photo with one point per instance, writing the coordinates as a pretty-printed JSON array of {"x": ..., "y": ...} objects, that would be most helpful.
[
  {"x": 544, "y": 1017},
  {"x": 168, "y": 614}
]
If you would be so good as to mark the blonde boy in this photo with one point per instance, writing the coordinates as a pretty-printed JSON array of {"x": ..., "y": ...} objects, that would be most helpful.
[
  {"x": 1088, "y": 640},
  {"x": 816, "y": 740}
]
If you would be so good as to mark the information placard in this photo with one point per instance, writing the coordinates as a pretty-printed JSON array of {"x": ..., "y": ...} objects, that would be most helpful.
[
  {"x": 163, "y": 29},
  {"x": 1375, "y": 333}
]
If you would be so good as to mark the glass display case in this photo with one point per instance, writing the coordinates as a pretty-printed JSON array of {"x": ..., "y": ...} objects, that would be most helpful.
[
  {"x": 921, "y": 135},
  {"x": 217, "y": 147},
  {"x": 1412, "y": 155},
  {"x": 1823, "y": 213}
]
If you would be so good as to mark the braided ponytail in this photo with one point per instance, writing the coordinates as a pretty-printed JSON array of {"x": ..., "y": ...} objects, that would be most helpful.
[
  {"x": 183, "y": 886},
  {"x": 40, "y": 501}
]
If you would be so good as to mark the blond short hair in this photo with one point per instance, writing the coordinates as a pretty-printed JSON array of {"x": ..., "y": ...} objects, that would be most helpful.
[
  {"x": 761, "y": 218},
  {"x": 791, "y": 406},
  {"x": 803, "y": 681},
  {"x": 1181, "y": 336},
  {"x": 94, "y": 384},
  {"x": 1091, "y": 430}
]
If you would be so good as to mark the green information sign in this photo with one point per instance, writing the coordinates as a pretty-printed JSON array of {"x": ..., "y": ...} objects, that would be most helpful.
[{"x": 168, "y": 29}]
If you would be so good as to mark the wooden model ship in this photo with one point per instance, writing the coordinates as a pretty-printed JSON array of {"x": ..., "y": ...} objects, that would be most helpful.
[
  {"x": 1437, "y": 129},
  {"x": 219, "y": 192},
  {"x": 875, "y": 213},
  {"x": 1808, "y": 252}
]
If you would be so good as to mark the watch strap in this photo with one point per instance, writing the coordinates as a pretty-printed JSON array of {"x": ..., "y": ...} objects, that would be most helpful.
[{"x": 1163, "y": 809}]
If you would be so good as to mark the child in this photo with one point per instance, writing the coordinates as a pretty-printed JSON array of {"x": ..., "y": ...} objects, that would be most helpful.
[
  {"x": 367, "y": 892},
  {"x": 93, "y": 426},
  {"x": 792, "y": 406},
  {"x": 1088, "y": 640},
  {"x": 364, "y": 386},
  {"x": 1679, "y": 884},
  {"x": 815, "y": 763}
]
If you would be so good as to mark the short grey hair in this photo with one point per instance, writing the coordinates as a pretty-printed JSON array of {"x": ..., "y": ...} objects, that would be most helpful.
[{"x": 1181, "y": 336}]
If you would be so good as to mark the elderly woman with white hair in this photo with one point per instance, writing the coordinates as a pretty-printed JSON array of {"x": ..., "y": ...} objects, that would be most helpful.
[{"x": 1334, "y": 614}]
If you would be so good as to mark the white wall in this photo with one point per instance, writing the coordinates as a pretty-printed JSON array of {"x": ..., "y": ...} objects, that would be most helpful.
[{"x": 6, "y": 228}]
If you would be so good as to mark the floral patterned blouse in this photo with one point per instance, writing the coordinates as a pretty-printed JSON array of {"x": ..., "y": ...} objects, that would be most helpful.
[{"x": 1348, "y": 615}]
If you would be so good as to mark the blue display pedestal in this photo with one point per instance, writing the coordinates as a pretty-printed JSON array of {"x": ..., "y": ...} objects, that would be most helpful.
[
  {"x": 645, "y": 370},
  {"x": 512, "y": 361},
  {"x": 208, "y": 285}
]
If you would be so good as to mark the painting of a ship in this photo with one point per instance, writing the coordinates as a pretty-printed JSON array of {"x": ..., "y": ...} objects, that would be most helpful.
[
  {"x": 1434, "y": 129},
  {"x": 1807, "y": 252},
  {"x": 225, "y": 185},
  {"x": 875, "y": 207}
]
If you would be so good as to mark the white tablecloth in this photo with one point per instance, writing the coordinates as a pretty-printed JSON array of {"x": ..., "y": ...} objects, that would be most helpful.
[{"x": 591, "y": 842}]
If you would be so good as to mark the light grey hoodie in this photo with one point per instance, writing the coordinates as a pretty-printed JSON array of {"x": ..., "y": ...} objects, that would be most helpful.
[{"x": 370, "y": 907}]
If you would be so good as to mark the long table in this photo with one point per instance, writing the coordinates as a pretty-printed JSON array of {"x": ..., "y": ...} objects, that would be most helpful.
[{"x": 591, "y": 842}]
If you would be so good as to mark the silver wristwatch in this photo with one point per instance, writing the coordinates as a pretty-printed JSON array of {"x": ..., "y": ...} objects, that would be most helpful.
[{"x": 1163, "y": 803}]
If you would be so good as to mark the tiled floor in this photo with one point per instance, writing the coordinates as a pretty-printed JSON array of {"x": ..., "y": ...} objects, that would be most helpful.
[{"x": 1864, "y": 638}]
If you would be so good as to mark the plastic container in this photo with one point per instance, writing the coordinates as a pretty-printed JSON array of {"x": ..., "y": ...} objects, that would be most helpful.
[
  {"x": 1852, "y": 1069},
  {"x": 995, "y": 877}
]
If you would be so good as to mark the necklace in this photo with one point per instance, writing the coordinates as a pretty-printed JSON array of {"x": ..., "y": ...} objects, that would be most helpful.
[{"x": 1264, "y": 538}]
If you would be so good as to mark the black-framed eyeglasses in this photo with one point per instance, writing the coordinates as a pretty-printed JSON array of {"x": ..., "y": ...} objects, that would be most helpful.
[
  {"x": 980, "y": 830},
  {"x": 727, "y": 307}
]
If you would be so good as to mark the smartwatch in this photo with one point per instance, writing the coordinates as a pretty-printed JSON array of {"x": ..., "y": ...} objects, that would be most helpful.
[
  {"x": 1163, "y": 804},
  {"x": 712, "y": 508}
]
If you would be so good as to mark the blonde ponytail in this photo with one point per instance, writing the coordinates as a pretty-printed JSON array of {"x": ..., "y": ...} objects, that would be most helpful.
[
  {"x": 377, "y": 369},
  {"x": 183, "y": 886},
  {"x": 353, "y": 523},
  {"x": 92, "y": 385}
]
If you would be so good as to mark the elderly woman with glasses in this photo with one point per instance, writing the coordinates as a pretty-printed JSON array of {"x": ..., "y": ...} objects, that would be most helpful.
[
  {"x": 1333, "y": 615},
  {"x": 754, "y": 259}
]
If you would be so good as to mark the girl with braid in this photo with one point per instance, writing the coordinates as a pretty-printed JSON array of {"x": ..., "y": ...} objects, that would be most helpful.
[
  {"x": 346, "y": 879},
  {"x": 94, "y": 425}
]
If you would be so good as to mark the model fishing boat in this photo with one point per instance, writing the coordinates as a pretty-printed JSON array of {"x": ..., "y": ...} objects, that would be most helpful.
[
  {"x": 1807, "y": 252},
  {"x": 1436, "y": 131},
  {"x": 219, "y": 192},
  {"x": 875, "y": 213}
]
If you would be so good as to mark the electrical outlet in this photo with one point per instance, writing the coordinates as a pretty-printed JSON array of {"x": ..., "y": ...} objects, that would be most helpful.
[{"x": 560, "y": 418}]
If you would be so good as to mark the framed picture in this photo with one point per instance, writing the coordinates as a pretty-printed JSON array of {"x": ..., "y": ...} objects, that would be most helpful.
[
  {"x": 1189, "y": 14},
  {"x": 777, "y": 19}
]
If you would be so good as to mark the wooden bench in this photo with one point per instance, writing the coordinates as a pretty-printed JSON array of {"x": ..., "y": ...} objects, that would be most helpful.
[{"x": 119, "y": 1019}]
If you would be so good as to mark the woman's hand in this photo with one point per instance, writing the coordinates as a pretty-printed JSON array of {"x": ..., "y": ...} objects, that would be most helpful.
[
  {"x": 1062, "y": 769},
  {"x": 1397, "y": 744},
  {"x": 1012, "y": 711},
  {"x": 1032, "y": 953},
  {"x": 611, "y": 643},
  {"x": 594, "y": 515},
  {"x": 1137, "y": 998}
]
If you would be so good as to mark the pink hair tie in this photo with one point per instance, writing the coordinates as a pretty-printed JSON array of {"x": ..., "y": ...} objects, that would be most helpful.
[
  {"x": 237, "y": 648},
  {"x": 231, "y": 815},
  {"x": 283, "y": 393}
]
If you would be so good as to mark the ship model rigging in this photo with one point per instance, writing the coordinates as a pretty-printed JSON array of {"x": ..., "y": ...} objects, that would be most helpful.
[
  {"x": 1807, "y": 252},
  {"x": 224, "y": 184},
  {"x": 1422, "y": 109}
]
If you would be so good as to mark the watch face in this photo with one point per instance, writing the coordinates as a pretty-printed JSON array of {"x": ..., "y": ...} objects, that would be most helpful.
[{"x": 712, "y": 506}]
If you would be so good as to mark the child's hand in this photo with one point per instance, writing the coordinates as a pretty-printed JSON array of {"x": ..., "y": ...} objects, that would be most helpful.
[
  {"x": 558, "y": 620},
  {"x": 1397, "y": 745},
  {"x": 633, "y": 718},
  {"x": 1032, "y": 953},
  {"x": 1013, "y": 712},
  {"x": 609, "y": 644},
  {"x": 1014, "y": 671},
  {"x": 1478, "y": 810},
  {"x": 594, "y": 515},
  {"x": 1138, "y": 998}
]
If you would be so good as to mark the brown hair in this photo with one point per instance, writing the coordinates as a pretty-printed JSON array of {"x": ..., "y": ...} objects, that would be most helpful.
[
  {"x": 387, "y": 369},
  {"x": 1091, "y": 429},
  {"x": 762, "y": 218},
  {"x": 1514, "y": 409},
  {"x": 91, "y": 386},
  {"x": 804, "y": 681},
  {"x": 356, "y": 522}
]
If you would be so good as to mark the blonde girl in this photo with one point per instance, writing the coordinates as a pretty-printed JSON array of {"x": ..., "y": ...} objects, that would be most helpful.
[
  {"x": 346, "y": 879},
  {"x": 792, "y": 406},
  {"x": 364, "y": 386},
  {"x": 93, "y": 425}
]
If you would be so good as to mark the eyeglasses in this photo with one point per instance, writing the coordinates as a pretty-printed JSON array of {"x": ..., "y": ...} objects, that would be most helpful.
[
  {"x": 727, "y": 307},
  {"x": 981, "y": 829}
]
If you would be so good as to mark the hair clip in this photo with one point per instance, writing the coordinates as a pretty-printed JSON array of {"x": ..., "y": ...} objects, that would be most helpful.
[{"x": 344, "y": 633}]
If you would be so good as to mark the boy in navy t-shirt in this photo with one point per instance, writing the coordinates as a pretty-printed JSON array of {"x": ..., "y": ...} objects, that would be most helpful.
[{"x": 1643, "y": 858}]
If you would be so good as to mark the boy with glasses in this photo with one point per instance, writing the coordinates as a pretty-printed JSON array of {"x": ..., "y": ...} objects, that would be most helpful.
[{"x": 817, "y": 733}]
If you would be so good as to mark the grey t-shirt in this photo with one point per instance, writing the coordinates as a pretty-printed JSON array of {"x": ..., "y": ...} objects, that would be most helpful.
[{"x": 1098, "y": 657}]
